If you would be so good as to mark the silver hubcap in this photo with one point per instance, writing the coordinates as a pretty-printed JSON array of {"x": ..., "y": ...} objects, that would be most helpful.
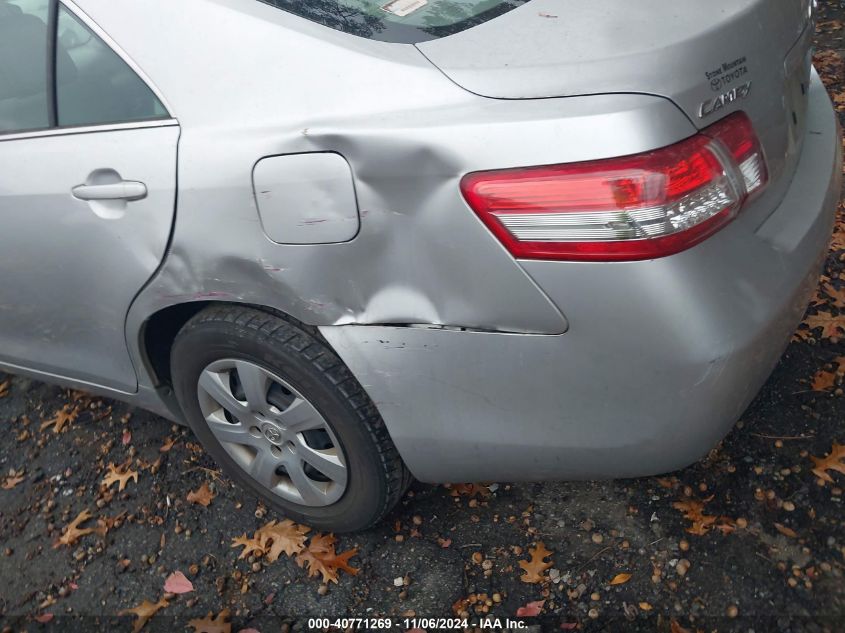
[{"x": 272, "y": 432}]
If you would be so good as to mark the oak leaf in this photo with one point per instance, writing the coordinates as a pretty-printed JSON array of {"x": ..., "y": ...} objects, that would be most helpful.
[
  {"x": 250, "y": 545},
  {"x": 287, "y": 537},
  {"x": 202, "y": 496},
  {"x": 320, "y": 558},
  {"x": 73, "y": 532},
  {"x": 119, "y": 475},
  {"x": 824, "y": 380},
  {"x": 837, "y": 296},
  {"x": 212, "y": 624},
  {"x": 535, "y": 566},
  {"x": 620, "y": 579},
  {"x": 13, "y": 479},
  {"x": 693, "y": 510},
  {"x": 144, "y": 612},
  {"x": 64, "y": 416},
  {"x": 835, "y": 461},
  {"x": 838, "y": 241},
  {"x": 830, "y": 325},
  {"x": 470, "y": 490}
]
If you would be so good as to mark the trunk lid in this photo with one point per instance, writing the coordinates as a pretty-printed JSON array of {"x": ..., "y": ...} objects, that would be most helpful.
[{"x": 710, "y": 58}]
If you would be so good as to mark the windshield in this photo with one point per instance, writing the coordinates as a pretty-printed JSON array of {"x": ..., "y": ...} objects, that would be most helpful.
[{"x": 407, "y": 21}]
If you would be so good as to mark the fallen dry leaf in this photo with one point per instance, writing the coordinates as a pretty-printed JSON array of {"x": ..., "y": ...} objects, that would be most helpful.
[
  {"x": 832, "y": 461},
  {"x": 64, "y": 416},
  {"x": 531, "y": 609},
  {"x": 287, "y": 537},
  {"x": 830, "y": 325},
  {"x": 461, "y": 605},
  {"x": 693, "y": 510},
  {"x": 837, "y": 243},
  {"x": 73, "y": 532},
  {"x": 212, "y": 624},
  {"x": 824, "y": 380},
  {"x": 4, "y": 388},
  {"x": 535, "y": 567},
  {"x": 320, "y": 558},
  {"x": 273, "y": 539},
  {"x": 620, "y": 579},
  {"x": 178, "y": 583},
  {"x": 144, "y": 612},
  {"x": 837, "y": 296},
  {"x": 14, "y": 478},
  {"x": 250, "y": 545},
  {"x": 469, "y": 490},
  {"x": 202, "y": 496},
  {"x": 168, "y": 444},
  {"x": 119, "y": 475},
  {"x": 667, "y": 482},
  {"x": 645, "y": 606}
]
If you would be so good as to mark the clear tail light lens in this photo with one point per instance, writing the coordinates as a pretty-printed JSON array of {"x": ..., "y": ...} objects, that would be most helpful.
[
  {"x": 736, "y": 133},
  {"x": 637, "y": 207}
]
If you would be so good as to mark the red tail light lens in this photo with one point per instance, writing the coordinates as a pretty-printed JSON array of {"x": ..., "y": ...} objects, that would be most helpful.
[
  {"x": 737, "y": 134},
  {"x": 637, "y": 207}
]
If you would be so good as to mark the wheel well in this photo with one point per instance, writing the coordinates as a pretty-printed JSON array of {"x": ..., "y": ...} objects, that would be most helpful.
[
  {"x": 158, "y": 335},
  {"x": 161, "y": 329}
]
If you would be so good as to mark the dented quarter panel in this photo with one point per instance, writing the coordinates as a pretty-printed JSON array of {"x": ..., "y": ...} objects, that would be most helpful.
[{"x": 661, "y": 358}]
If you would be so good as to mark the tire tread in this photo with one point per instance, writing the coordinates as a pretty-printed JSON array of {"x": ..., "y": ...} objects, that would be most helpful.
[{"x": 285, "y": 333}]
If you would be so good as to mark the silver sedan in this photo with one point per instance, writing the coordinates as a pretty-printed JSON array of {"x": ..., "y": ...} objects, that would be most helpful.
[{"x": 352, "y": 242}]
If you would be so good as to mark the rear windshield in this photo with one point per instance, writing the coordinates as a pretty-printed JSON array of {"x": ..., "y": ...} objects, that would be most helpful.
[{"x": 407, "y": 21}]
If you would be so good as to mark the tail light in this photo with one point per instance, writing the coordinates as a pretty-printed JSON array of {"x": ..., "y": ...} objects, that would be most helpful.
[{"x": 622, "y": 209}]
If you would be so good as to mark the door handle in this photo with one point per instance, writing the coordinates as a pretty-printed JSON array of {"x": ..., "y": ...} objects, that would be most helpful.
[{"x": 124, "y": 190}]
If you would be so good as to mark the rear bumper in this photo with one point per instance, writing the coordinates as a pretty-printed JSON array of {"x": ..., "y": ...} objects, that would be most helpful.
[{"x": 661, "y": 359}]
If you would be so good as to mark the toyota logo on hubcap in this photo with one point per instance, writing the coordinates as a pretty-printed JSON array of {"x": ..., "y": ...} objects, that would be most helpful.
[{"x": 272, "y": 434}]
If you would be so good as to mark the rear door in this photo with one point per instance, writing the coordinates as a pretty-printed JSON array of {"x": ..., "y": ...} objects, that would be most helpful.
[{"x": 87, "y": 193}]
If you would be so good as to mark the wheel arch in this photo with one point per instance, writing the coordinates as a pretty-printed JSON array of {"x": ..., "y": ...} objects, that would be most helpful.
[{"x": 160, "y": 329}]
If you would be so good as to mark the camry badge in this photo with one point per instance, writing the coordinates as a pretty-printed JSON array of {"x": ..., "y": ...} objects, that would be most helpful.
[{"x": 714, "y": 105}]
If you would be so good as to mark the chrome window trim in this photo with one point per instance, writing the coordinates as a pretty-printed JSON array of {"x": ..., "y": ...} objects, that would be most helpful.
[
  {"x": 88, "y": 129},
  {"x": 90, "y": 23},
  {"x": 108, "y": 41}
]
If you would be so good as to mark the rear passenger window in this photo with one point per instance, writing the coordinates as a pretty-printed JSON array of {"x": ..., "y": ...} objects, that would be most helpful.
[
  {"x": 24, "y": 39},
  {"x": 93, "y": 84}
]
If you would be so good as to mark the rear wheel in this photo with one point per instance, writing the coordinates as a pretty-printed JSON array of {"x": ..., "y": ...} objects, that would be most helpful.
[{"x": 285, "y": 418}]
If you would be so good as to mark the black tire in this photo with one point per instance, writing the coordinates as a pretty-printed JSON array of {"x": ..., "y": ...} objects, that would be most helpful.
[{"x": 377, "y": 477}]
